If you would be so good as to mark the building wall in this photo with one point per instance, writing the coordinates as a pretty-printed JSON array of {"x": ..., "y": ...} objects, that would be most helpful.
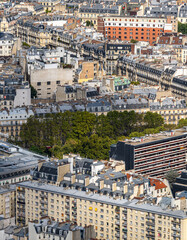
[
  {"x": 4, "y": 25},
  {"x": 181, "y": 54},
  {"x": 172, "y": 116},
  {"x": 88, "y": 72},
  {"x": 163, "y": 154},
  {"x": 111, "y": 220},
  {"x": 7, "y": 203},
  {"x": 45, "y": 81},
  {"x": 140, "y": 28},
  {"x": 23, "y": 97},
  {"x": 15, "y": 179},
  {"x": 49, "y": 4}
]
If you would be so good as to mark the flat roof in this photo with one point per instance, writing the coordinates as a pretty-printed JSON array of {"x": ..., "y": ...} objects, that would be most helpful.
[{"x": 156, "y": 137}]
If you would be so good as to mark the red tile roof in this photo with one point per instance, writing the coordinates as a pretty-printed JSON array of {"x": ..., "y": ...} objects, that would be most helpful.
[{"x": 157, "y": 183}]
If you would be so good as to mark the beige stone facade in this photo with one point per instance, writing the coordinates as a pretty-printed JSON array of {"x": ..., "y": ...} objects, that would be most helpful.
[
  {"x": 89, "y": 70},
  {"x": 7, "y": 202},
  {"x": 113, "y": 218},
  {"x": 45, "y": 81},
  {"x": 181, "y": 54}
]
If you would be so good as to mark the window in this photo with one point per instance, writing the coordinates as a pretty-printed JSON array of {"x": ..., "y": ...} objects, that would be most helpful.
[
  {"x": 38, "y": 83},
  {"x": 48, "y": 83},
  {"x": 57, "y": 82}
]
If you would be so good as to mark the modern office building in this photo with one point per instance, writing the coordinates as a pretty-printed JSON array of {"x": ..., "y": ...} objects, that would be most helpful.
[{"x": 153, "y": 155}]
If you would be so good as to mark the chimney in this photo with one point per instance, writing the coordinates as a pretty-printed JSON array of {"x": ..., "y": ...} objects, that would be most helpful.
[
  {"x": 101, "y": 184},
  {"x": 125, "y": 188},
  {"x": 86, "y": 181},
  {"x": 73, "y": 178},
  {"x": 114, "y": 188}
]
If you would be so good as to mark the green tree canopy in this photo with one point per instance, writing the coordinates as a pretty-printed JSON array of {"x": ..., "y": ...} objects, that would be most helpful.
[
  {"x": 153, "y": 120},
  {"x": 33, "y": 92},
  {"x": 171, "y": 176},
  {"x": 182, "y": 123},
  {"x": 84, "y": 132},
  {"x": 182, "y": 27}
]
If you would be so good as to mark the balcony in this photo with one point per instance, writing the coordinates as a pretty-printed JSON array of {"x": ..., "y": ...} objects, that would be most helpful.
[
  {"x": 117, "y": 217},
  {"x": 117, "y": 235},
  {"x": 150, "y": 235},
  {"x": 21, "y": 196},
  {"x": 20, "y": 201},
  {"x": 44, "y": 207},
  {"x": 43, "y": 195},
  {"x": 176, "y": 229},
  {"x": 117, "y": 222},
  {"x": 21, "y": 214},
  {"x": 150, "y": 217},
  {"x": 150, "y": 229},
  {"x": 44, "y": 213},
  {"x": 117, "y": 229},
  {"x": 176, "y": 235},
  {"x": 20, "y": 190},
  {"x": 124, "y": 211},
  {"x": 175, "y": 222},
  {"x": 150, "y": 223},
  {"x": 124, "y": 229}
]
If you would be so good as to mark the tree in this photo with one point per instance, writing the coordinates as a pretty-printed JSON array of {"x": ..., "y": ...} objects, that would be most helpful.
[
  {"x": 89, "y": 23},
  {"x": 171, "y": 176},
  {"x": 33, "y": 92},
  {"x": 84, "y": 132},
  {"x": 182, "y": 123},
  {"x": 153, "y": 120},
  {"x": 182, "y": 27},
  {"x": 133, "y": 41}
]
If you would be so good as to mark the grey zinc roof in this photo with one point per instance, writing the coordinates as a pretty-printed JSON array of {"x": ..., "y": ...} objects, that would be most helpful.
[
  {"x": 65, "y": 107},
  {"x": 103, "y": 199}
]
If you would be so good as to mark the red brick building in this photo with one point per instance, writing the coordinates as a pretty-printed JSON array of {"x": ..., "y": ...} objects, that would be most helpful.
[{"x": 137, "y": 28}]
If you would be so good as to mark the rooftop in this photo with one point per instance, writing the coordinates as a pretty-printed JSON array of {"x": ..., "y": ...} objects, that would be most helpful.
[{"x": 156, "y": 137}]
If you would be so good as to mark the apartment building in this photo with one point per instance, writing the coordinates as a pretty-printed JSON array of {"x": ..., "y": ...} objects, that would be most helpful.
[
  {"x": 182, "y": 13},
  {"x": 16, "y": 163},
  {"x": 7, "y": 201},
  {"x": 171, "y": 40},
  {"x": 154, "y": 74},
  {"x": 59, "y": 231},
  {"x": 49, "y": 4},
  {"x": 11, "y": 121},
  {"x": 91, "y": 12},
  {"x": 46, "y": 71},
  {"x": 139, "y": 28},
  {"x": 181, "y": 54},
  {"x": 6, "y": 44},
  {"x": 171, "y": 109},
  {"x": 112, "y": 217},
  {"x": 153, "y": 155}
]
